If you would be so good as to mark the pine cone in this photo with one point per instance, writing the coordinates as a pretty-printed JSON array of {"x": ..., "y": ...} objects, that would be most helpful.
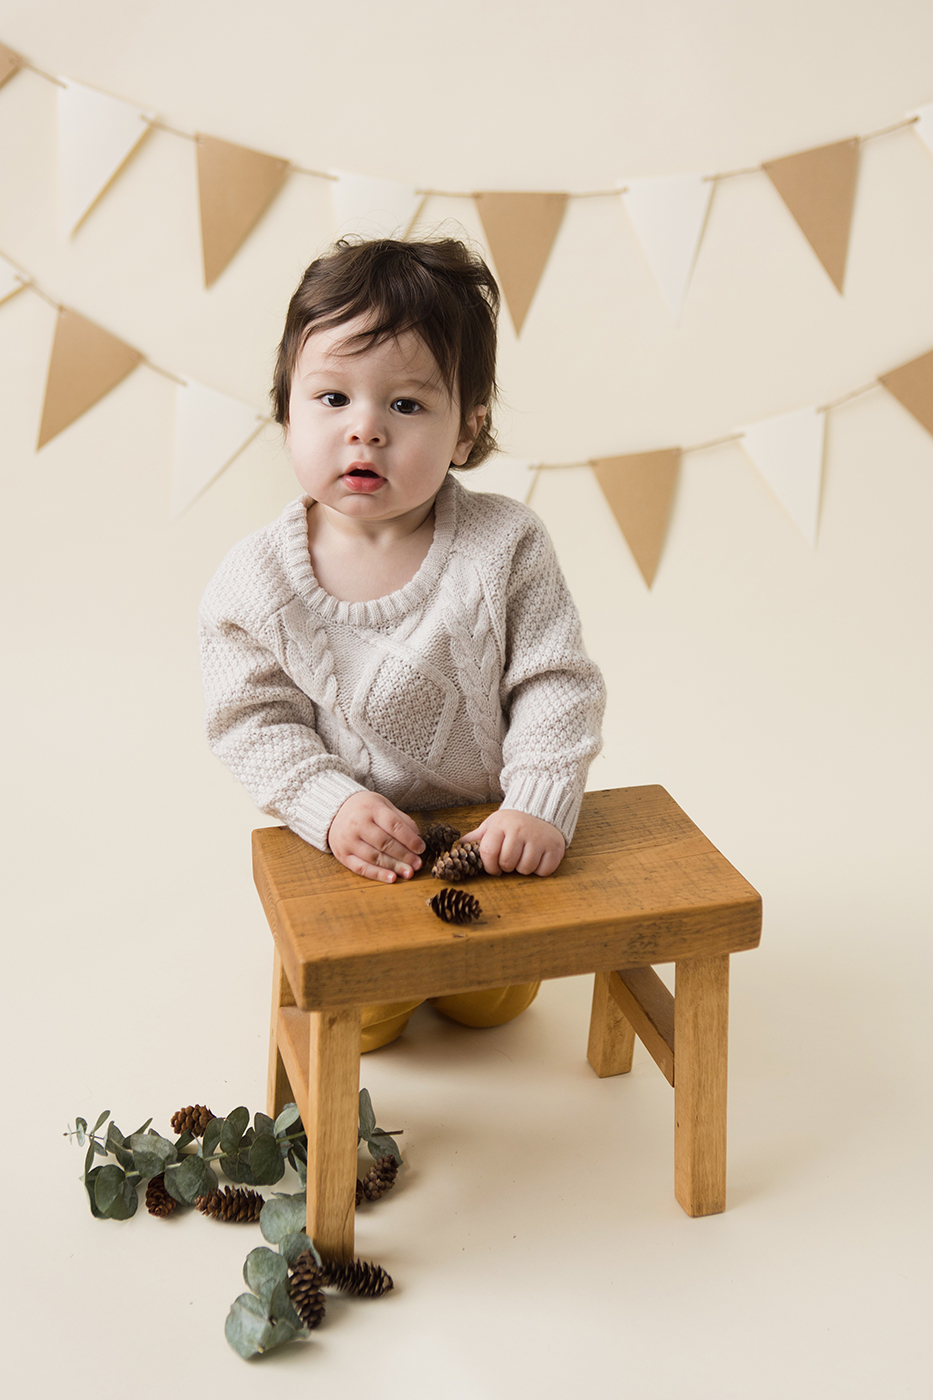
[
  {"x": 455, "y": 906},
  {"x": 304, "y": 1289},
  {"x": 380, "y": 1178},
  {"x": 193, "y": 1119},
  {"x": 234, "y": 1204},
  {"x": 461, "y": 862},
  {"x": 158, "y": 1201},
  {"x": 437, "y": 838},
  {"x": 360, "y": 1195},
  {"x": 361, "y": 1279}
]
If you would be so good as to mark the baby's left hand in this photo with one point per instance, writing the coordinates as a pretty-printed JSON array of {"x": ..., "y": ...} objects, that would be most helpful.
[{"x": 516, "y": 841}]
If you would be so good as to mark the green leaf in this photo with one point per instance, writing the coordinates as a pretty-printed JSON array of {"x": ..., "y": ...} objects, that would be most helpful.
[
  {"x": 282, "y": 1331},
  {"x": 102, "y": 1119},
  {"x": 211, "y": 1138},
  {"x": 286, "y": 1118},
  {"x": 80, "y": 1130},
  {"x": 282, "y": 1307},
  {"x": 115, "y": 1138},
  {"x": 381, "y": 1145},
  {"x": 367, "y": 1116},
  {"x": 262, "y": 1123},
  {"x": 263, "y": 1264},
  {"x": 238, "y": 1169},
  {"x": 234, "y": 1127},
  {"x": 265, "y": 1160},
  {"x": 301, "y": 1168},
  {"x": 283, "y": 1215},
  {"x": 192, "y": 1179},
  {"x": 89, "y": 1161},
  {"x": 247, "y": 1327},
  {"x": 296, "y": 1244},
  {"x": 125, "y": 1157},
  {"x": 108, "y": 1187},
  {"x": 142, "y": 1129},
  {"x": 182, "y": 1142},
  {"x": 126, "y": 1202},
  {"x": 90, "y": 1184},
  {"x": 152, "y": 1153}
]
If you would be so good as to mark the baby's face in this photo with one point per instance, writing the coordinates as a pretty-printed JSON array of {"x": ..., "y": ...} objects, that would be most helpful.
[{"x": 372, "y": 433}]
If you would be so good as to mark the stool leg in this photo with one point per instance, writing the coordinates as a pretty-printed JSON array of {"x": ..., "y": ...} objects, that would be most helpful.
[
  {"x": 331, "y": 1119},
  {"x": 612, "y": 1039},
  {"x": 701, "y": 1021},
  {"x": 279, "y": 1092}
]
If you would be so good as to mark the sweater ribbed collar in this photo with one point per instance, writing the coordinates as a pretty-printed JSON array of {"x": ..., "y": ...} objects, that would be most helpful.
[{"x": 379, "y": 611}]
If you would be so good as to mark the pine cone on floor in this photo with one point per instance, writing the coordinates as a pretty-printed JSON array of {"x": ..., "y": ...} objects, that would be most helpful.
[
  {"x": 359, "y": 1278},
  {"x": 233, "y": 1204},
  {"x": 461, "y": 862},
  {"x": 380, "y": 1178},
  {"x": 193, "y": 1119},
  {"x": 158, "y": 1201},
  {"x": 437, "y": 838},
  {"x": 455, "y": 906},
  {"x": 304, "y": 1289}
]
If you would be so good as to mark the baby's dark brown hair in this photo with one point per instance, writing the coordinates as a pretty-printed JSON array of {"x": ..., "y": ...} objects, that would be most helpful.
[{"x": 439, "y": 290}]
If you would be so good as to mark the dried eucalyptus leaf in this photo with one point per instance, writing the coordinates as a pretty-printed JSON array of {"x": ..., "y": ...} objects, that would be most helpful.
[
  {"x": 247, "y": 1327},
  {"x": 285, "y": 1119},
  {"x": 238, "y": 1169},
  {"x": 234, "y": 1127},
  {"x": 294, "y": 1245},
  {"x": 265, "y": 1160},
  {"x": 192, "y": 1179},
  {"x": 301, "y": 1168},
  {"x": 211, "y": 1139},
  {"x": 381, "y": 1145},
  {"x": 263, "y": 1265},
  {"x": 114, "y": 1138},
  {"x": 182, "y": 1142},
  {"x": 263, "y": 1123},
  {"x": 152, "y": 1153},
  {"x": 142, "y": 1129},
  {"x": 89, "y": 1161},
  {"x": 90, "y": 1184},
  {"x": 283, "y": 1215},
  {"x": 126, "y": 1202},
  {"x": 367, "y": 1116},
  {"x": 282, "y": 1308},
  {"x": 282, "y": 1331},
  {"x": 108, "y": 1187},
  {"x": 80, "y": 1130},
  {"x": 102, "y": 1119}
]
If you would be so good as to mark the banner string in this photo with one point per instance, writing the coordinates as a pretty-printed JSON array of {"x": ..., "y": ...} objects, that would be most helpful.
[{"x": 870, "y": 136}]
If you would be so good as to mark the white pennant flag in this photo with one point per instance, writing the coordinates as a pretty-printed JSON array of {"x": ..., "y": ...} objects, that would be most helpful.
[
  {"x": 788, "y": 452},
  {"x": 211, "y": 430},
  {"x": 923, "y": 126},
  {"x": 96, "y": 135},
  {"x": 11, "y": 279},
  {"x": 669, "y": 214},
  {"x": 374, "y": 208}
]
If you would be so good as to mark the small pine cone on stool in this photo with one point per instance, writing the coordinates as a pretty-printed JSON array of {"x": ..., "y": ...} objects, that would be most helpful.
[
  {"x": 437, "y": 838},
  {"x": 360, "y": 1278},
  {"x": 233, "y": 1204},
  {"x": 380, "y": 1178},
  {"x": 193, "y": 1119},
  {"x": 455, "y": 906},
  {"x": 304, "y": 1289},
  {"x": 158, "y": 1201},
  {"x": 461, "y": 862}
]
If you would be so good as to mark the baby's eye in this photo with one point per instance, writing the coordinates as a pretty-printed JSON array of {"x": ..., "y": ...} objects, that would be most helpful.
[
  {"x": 335, "y": 400},
  {"x": 406, "y": 406}
]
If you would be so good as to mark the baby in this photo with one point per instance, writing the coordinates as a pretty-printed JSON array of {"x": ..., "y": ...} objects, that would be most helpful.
[{"x": 394, "y": 641}]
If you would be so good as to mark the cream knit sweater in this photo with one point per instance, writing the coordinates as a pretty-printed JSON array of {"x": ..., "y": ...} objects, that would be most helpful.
[{"x": 469, "y": 684}]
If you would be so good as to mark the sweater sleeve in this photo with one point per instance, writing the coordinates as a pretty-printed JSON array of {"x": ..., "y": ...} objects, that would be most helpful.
[
  {"x": 552, "y": 694},
  {"x": 262, "y": 726}
]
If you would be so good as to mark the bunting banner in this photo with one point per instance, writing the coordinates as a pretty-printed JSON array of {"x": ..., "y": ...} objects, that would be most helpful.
[
  {"x": 639, "y": 489},
  {"x": 788, "y": 452},
  {"x": 86, "y": 363},
  {"x": 211, "y": 429},
  {"x": 818, "y": 188},
  {"x": 923, "y": 125},
  {"x": 669, "y": 215},
  {"x": 97, "y": 135},
  {"x": 11, "y": 280},
  {"x": 520, "y": 230},
  {"x": 10, "y": 63},
  {"x": 374, "y": 208},
  {"x": 912, "y": 386},
  {"x": 235, "y": 188}
]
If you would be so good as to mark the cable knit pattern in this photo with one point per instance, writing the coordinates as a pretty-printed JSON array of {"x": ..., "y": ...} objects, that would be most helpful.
[{"x": 470, "y": 683}]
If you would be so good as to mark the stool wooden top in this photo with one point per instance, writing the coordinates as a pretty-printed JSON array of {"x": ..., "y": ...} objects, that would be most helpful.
[{"x": 640, "y": 884}]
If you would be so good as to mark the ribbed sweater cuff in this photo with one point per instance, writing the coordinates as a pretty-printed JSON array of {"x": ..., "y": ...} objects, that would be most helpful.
[
  {"x": 554, "y": 800},
  {"x": 311, "y": 814}
]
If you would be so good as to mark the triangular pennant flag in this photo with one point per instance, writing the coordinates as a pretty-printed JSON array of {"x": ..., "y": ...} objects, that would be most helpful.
[
  {"x": 640, "y": 491},
  {"x": 923, "y": 126},
  {"x": 235, "y": 188},
  {"x": 373, "y": 208},
  {"x": 86, "y": 363},
  {"x": 912, "y": 386},
  {"x": 788, "y": 452},
  {"x": 520, "y": 230},
  {"x": 97, "y": 134},
  {"x": 10, "y": 63},
  {"x": 211, "y": 429},
  {"x": 669, "y": 213},
  {"x": 11, "y": 280},
  {"x": 818, "y": 188}
]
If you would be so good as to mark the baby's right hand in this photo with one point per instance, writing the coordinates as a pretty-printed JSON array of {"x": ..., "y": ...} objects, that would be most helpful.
[{"x": 373, "y": 838}]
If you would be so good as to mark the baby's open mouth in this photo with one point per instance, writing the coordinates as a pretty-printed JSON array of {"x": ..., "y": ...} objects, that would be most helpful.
[{"x": 361, "y": 471}]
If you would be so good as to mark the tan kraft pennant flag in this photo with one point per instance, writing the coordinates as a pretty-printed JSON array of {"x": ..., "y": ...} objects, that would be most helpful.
[
  {"x": 10, "y": 63},
  {"x": 912, "y": 386},
  {"x": 235, "y": 187},
  {"x": 520, "y": 230},
  {"x": 86, "y": 363},
  {"x": 640, "y": 492},
  {"x": 818, "y": 188}
]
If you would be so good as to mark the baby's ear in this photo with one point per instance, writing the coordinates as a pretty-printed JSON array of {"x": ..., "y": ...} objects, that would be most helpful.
[{"x": 469, "y": 433}]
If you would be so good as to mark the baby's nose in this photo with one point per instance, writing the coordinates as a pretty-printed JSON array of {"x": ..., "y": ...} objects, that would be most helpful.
[{"x": 367, "y": 426}]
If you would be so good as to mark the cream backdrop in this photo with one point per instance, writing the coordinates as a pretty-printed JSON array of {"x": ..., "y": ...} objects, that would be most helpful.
[{"x": 781, "y": 693}]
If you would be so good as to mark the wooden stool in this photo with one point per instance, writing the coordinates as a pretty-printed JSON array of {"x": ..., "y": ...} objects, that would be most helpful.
[{"x": 640, "y": 885}]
